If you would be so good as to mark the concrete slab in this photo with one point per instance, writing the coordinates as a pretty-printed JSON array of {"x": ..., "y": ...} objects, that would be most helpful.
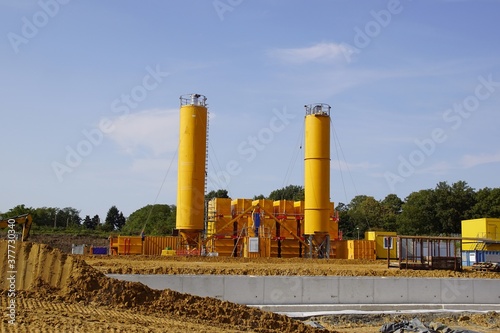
[
  {"x": 157, "y": 281},
  {"x": 457, "y": 291},
  {"x": 282, "y": 290},
  {"x": 204, "y": 285},
  {"x": 351, "y": 291},
  {"x": 390, "y": 290},
  {"x": 356, "y": 290},
  {"x": 425, "y": 291},
  {"x": 244, "y": 289},
  {"x": 320, "y": 290},
  {"x": 487, "y": 291}
]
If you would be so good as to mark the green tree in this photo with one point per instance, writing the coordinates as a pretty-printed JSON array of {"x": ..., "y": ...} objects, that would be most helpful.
[
  {"x": 45, "y": 216},
  {"x": 114, "y": 220},
  {"x": 87, "y": 222},
  {"x": 290, "y": 192},
  {"x": 91, "y": 223},
  {"x": 419, "y": 214},
  {"x": 258, "y": 197},
  {"x": 17, "y": 210},
  {"x": 452, "y": 205},
  {"x": 391, "y": 208},
  {"x": 69, "y": 217},
  {"x": 487, "y": 204},
  {"x": 365, "y": 214},
  {"x": 96, "y": 220},
  {"x": 346, "y": 226},
  {"x": 155, "y": 219},
  {"x": 220, "y": 193}
]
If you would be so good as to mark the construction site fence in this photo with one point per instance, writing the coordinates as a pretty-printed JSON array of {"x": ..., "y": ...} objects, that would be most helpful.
[{"x": 148, "y": 245}]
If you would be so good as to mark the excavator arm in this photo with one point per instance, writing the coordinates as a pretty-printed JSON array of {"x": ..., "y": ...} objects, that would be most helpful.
[{"x": 25, "y": 220}]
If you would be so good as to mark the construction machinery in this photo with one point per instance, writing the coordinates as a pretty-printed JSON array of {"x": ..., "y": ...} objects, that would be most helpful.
[{"x": 24, "y": 220}]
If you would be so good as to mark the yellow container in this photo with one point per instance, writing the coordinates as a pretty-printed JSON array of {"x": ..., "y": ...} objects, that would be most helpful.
[
  {"x": 485, "y": 229},
  {"x": 129, "y": 245},
  {"x": 382, "y": 244},
  {"x": 361, "y": 249}
]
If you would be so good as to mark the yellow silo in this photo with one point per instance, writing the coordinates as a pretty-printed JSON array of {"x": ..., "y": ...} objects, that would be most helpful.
[
  {"x": 317, "y": 178},
  {"x": 191, "y": 167}
]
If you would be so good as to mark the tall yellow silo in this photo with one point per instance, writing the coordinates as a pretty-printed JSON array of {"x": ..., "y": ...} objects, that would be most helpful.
[
  {"x": 317, "y": 178},
  {"x": 191, "y": 167}
]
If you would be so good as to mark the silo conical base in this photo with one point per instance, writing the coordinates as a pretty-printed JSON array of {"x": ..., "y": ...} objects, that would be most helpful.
[
  {"x": 319, "y": 245},
  {"x": 191, "y": 238}
]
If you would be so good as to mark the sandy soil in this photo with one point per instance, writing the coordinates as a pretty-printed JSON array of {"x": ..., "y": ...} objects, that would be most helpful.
[
  {"x": 65, "y": 293},
  {"x": 58, "y": 292},
  {"x": 262, "y": 266}
]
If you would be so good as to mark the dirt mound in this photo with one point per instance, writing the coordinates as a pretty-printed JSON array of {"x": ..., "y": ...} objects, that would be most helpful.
[{"x": 46, "y": 273}]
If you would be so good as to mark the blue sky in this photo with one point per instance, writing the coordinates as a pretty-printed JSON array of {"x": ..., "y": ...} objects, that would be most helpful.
[{"x": 90, "y": 96}]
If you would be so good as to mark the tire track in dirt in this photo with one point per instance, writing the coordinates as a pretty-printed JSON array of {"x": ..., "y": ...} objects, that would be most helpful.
[{"x": 56, "y": 286}]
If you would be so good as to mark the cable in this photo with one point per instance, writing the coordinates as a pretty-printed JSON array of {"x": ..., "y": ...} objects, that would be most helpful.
[
  {"x": 161, "y": 187},
  {"x": 349, "y": 171},
  {"x": 294, "y": 157},
  {"x": 336, "y": 145}
]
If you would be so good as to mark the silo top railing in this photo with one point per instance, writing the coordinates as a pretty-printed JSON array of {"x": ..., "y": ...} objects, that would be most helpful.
[
  {"x": 318, "y": 109},
  {"x": 193, "y": 99}
]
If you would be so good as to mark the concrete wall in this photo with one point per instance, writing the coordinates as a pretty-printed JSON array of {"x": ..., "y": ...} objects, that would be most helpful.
[{"x": 269, "y": 290}]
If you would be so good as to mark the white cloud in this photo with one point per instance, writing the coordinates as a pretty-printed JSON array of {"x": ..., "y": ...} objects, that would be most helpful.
[
  {"x": 320, "y": 52},
  {"x": 154, "y": 130},
  {"x": 469, "y": 161}
]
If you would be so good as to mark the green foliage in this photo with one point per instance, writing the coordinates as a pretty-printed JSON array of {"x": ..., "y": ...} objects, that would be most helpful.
[
  {"x": 155, "y": 219},
  {"x": 437, "y": 211},
  {"x": 426, "y": 212},
  {"x": 419, "y": 214},
  {"x": 258, "y": 197},
  {"x": 487, "y": 204},
  {"x": 91, "y": 223},
  {"x": 391, "y": 208},
  {"x": 114, "y": 220},
  {"x": 49, "y": 216},
  {"x": 290, "y": 192},
  {"x": 361, "y": 214},
  {"x": 220, "y": 193},
  {"x": 17, "y": 210}
]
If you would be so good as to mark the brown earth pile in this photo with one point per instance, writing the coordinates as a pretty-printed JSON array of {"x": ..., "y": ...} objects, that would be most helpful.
[{"x": 44, "y": 273}]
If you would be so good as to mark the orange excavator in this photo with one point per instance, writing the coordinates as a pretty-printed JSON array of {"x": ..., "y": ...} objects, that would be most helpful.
[{"x": 25, "y": 220}]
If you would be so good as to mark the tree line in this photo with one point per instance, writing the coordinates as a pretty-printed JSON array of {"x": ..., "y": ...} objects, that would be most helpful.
[
  {"x": 437, "y": 211},
  {"x": 69, "y": 218}
]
